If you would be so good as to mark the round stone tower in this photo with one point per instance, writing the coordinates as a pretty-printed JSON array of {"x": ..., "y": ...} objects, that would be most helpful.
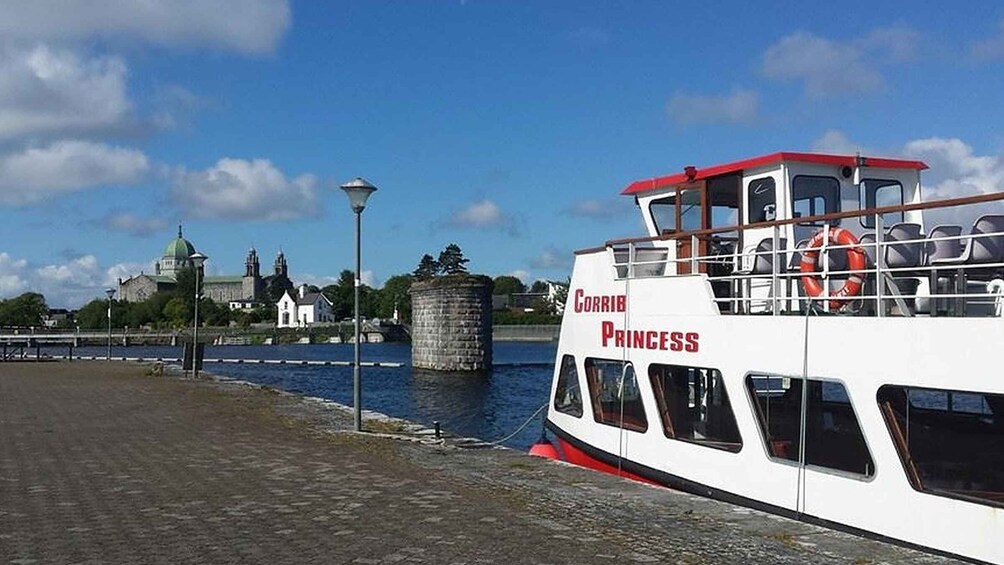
[{"x": 452, "y": 323}]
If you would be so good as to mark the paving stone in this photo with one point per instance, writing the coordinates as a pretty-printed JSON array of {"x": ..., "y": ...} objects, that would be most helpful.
[{"x": 100, "y": 463}]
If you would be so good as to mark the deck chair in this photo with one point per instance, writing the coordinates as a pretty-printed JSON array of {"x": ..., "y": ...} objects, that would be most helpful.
[
  {"x": 761, "y": 263},
  {"x": 985, "y": 246},
  {"x": 938, "y": 249}
]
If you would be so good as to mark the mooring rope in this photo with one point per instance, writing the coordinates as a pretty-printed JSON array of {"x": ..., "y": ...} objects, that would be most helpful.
[{"x": 519, "y": 429}]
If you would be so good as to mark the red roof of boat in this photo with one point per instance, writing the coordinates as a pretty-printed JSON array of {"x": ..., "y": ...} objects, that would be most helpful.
[{"x": 819, "y": 158}]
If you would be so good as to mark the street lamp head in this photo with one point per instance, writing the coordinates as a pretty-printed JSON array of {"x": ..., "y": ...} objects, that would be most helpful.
[
  {"x": 198, "y": 259},
  {"x": 109, "y": 292},
  {"x": 358, "y": 190}
]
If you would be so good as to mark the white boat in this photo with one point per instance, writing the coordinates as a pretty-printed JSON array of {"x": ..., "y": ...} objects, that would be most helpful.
[{"x": 792, "y": 335}]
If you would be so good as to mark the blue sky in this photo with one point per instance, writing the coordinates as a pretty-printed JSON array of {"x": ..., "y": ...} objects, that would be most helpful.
[{"x": 506, "y": 127}]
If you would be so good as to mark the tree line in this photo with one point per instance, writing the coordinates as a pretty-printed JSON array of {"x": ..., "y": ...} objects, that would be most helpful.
[{"x": 175, "y": 308}]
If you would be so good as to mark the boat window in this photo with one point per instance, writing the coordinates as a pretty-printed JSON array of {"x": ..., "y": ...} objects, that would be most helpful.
[
  {"x": 694, "y": 406},
  {"x": 833, "y": 438},
  {"x": 762, "y": 203},
  {"x": 567, "y": 395},
  {"x": 664, "y": 214},
  {"x": 613, "y": 390},
  {"x": 724, "y": 193},
  {"x": 877, "y": 193},
  {"x": 951, "y": 443},
  {"x": 815, "y": 196},
  {"x": 691, "y": 214}
]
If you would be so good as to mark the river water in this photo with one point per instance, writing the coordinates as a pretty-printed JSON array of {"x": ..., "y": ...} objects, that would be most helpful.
[{"x": 487, "y": 407}]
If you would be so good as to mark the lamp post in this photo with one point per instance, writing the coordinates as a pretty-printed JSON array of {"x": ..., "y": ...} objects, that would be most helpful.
[
  {"x": 110, "y": 292},
  {"x": 198, "y": 259},
  {"x": 358, "y": 190}
]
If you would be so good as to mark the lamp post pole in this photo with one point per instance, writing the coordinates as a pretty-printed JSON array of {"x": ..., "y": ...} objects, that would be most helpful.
[
  {"x": 198, "y": 259},
  {"x": 110, "y": 292},
  {"x": 358, "y": 190}
]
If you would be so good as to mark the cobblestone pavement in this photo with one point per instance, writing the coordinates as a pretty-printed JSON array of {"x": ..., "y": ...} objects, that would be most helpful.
[{"x": 102, "y": 463}]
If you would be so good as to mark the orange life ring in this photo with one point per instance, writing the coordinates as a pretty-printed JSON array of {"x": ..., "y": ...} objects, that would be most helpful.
[{"x": 855, "y": 261}]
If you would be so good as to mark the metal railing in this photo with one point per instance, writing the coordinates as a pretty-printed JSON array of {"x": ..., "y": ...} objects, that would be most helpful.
[{"x": 916, "y": 286}]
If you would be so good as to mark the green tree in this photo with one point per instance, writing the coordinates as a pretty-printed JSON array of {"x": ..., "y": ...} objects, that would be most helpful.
[
  {"x": 25, "y": 310},
  {"x": 540, "y": 287},
  {"x": 507, "y": 285},
  {"x": 341, "y": 295},
  {"x": 427, "y": 268},
  {"x": 452, "y": 261},
  {"x": 213, "y": 314},
  {"x": 139, "y": 314},
  {"x": 394, "y": 294},
  {"x": 185, "y": 287},
  {"x": 93, "y": 315},
  {"x": 176, "y": 313}
]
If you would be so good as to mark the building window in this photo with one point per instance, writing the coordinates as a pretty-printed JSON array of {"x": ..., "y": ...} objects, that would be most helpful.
[
  {"x": 833, "y": 438},
  {"x": 285, "y": 318},
  {"x": 567, "y": 395},
  {"x": 951, "y": 443},
  {"x": 694, "y": 406},
  {"x": 815, "y": 196},
  {"x": 877, "y": 193},
  {"x": 613, "y": 390}
]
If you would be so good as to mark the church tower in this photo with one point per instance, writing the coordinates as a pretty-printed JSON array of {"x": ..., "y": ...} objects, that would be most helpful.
[
  {"x": 251, "y": 266},
  {"x": 280, "y": 264}
]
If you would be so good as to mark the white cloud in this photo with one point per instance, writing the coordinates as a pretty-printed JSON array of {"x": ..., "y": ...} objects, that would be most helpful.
[
  {"x": 835, "y": 141},
  {"x": 483, "y": 214},
  {"x": 12, "y": 276},
  {"x": 478, "y": 215},
  {"x": 741, "y": 106},
  {"x": 133, "y": 224},
  {"x": 245, "y": 190},
  {"x": 955, "y": 171},
  {"x": 828, "y": 67},
  {"x": 36, "y": 174},
  {"x": 56, "y": 92},
  {"x": 552, "y": 259},
  {"x": 65, "y": 285},
  {"x": 248, "y": 26},
  {"x": 521, "y": 274},
  {"x": 600, "y": 209},
  {"x": 992, "y": 47}
]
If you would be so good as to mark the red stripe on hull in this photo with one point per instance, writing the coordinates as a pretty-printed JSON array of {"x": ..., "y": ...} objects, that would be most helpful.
[{"x": 578, "y": 457}]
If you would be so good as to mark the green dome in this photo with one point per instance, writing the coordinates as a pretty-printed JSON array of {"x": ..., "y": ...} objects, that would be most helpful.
[{"x": 179, "y": 248}]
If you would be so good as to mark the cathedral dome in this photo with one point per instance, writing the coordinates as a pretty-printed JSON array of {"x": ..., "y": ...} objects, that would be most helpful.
[{"x": 179, "y": 248}]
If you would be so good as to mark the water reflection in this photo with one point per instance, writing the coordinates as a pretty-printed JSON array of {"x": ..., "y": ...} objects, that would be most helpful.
[{"x": 458, "y": 400}]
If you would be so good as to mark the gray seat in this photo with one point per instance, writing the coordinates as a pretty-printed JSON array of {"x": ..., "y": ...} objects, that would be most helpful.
[
  {"x": 649, "y": 261},
  {"x": 985, "y": 246},
  {"x": 763, "y": 258},
  {"x": 904, "y": 247},
  {"x": 945, "y": 248},
  {"x": 762, "y": 263}
]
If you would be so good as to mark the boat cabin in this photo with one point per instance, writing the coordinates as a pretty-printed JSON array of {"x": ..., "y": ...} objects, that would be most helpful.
[{"x": 848, "y": 233}]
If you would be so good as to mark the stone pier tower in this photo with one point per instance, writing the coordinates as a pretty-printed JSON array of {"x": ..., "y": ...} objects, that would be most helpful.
[{"x": 452, "y": 323}]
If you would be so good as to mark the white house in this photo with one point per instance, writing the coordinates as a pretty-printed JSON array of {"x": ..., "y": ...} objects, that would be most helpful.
[{"x": 302, "y": 308}]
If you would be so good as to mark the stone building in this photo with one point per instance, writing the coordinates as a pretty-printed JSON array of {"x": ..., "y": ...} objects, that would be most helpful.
[{"x": 251, "y": 288}]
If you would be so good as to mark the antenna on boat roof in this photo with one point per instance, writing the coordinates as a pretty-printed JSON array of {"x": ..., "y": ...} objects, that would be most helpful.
[{"x": 859, "y": 163}]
